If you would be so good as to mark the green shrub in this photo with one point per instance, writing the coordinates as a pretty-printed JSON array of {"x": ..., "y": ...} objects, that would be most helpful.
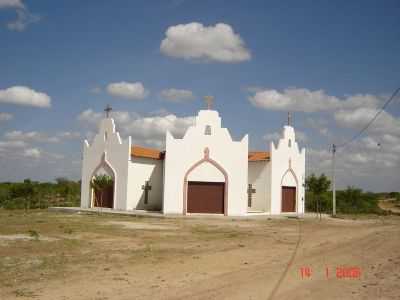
[
  {"x": 349, "y": 201},
  {"x": 32, "y": 195},
  {"x": 353, "y": 200}
]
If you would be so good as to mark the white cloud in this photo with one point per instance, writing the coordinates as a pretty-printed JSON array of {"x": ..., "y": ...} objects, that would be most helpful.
[
  {"x": 21, "y": 95},
  {"x": 24, "y": 16},
  {"x": 69, "y": 135},
  {"x": 40, "y": 137},
  {"x": 11, "y": 4},
  {"x": 90, "y": 117},
  {"x": 196, "y": 41},
  {"x": 32, "y": 153},
  {"x": 31, "y": 136},
  {"x": 6, "y": 116},
  {"x": 370, "y": 162},
  {"x": 301, "y": 136},
  {"x": 93, "y": 118},
  {"x": 4, "y": 145},
  {"x": 127, "y": 90},
  {"x": 151, "y": 130},
  {"x": 270, "y": 137},
  {"x": 144, "y": 130},
  {"x": 276, "y": 136},
  {"x": 318, "y": 124},
  {"x": 358, "y": 118},
  {"x": 300, "y": 99},
  {"x": 177, "y": 95}
]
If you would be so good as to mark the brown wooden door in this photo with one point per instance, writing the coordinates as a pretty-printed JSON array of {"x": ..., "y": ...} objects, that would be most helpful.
[
  {"x": 288, "y": 199},
  {"x": 107, "y": 199},
  {"x": 205, "y": 197}
]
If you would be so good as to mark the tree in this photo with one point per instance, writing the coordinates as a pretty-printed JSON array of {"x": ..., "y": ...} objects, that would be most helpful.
[
  {"x": 23, "y": 193},
  {"x": 318, "y": 186},
  {"x": 100, "y": 183}
]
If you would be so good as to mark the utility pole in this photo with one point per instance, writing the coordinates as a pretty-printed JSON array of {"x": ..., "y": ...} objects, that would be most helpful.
[{"x": 333, "y": 181}]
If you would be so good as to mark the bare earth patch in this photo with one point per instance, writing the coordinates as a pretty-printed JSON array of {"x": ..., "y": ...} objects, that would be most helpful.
[
  {"x": 24, "y": 237},
  {"x": 138, "y": 225},
  {"x": 119, "y": 257}
]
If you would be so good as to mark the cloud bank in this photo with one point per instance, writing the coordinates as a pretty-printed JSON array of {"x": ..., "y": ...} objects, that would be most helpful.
[
  {"x": 127, "y": 90},
  {"x": 177, "y": 95},
  {"x": 24, "y": 96},
  {"x": 194, "y": 41}
]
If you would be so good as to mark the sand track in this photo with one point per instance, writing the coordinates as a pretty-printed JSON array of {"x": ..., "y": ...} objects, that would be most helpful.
[{"x": 138, "y": 258}]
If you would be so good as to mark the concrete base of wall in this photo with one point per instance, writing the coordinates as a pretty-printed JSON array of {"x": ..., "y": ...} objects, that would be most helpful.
[{"x": 153, "y": 214}]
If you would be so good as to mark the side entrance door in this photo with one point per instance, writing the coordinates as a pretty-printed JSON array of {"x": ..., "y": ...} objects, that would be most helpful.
[
  {"x": 288, "y": 199},
  {"x": 104, "y": 198}
]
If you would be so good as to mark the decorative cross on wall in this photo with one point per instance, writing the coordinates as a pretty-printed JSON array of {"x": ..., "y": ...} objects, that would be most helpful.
[
  {"x": 108, "y": 109},
  {"x": 209, "y": 100},
  {"x": 146, "y": 187},
  {"x": 250, "y": 192}
]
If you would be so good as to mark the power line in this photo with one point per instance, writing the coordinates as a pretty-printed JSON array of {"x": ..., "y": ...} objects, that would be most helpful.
[{"x": 357, "y": 135}]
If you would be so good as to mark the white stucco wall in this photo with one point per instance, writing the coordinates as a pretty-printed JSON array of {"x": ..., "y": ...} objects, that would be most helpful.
[
  {"x": 108, "y": 154},
  {"x": 182, "y": 154},
  {"x": 258, "y": 177},
  {"x": 289, "y": 180},
  {"x": 206, "y": 170},
  {"x": 140, "y": 171},
  {"x": 287, "y": 169}
]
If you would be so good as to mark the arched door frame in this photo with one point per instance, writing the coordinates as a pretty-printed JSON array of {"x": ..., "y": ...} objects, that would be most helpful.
[
  {"x": 205, "y": 159},
  {"x": 103, "y": 162},
  {"x": 290, "y": 170}
]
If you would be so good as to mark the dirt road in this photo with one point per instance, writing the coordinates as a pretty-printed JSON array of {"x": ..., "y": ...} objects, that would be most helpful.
[{"x": 117, "y": 257}]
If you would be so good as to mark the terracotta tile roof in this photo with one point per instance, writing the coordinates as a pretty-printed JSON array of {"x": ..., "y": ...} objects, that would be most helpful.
[
  {"x": 259, "y": 156},
  {"x": 138, "y": 151}
]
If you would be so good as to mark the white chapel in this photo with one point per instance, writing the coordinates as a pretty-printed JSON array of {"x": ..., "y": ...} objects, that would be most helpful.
[{"x": 205, "y": 172}]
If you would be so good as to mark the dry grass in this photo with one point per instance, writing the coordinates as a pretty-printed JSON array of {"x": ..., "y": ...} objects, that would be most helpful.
[
  {"x": 88, "y": 256},
  {"x": 60, "y": 242}
]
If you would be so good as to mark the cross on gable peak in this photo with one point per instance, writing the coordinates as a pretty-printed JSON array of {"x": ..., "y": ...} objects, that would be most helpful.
[
  {"x": 209, "y": 100},
  {"x": 108, "y": 109}
]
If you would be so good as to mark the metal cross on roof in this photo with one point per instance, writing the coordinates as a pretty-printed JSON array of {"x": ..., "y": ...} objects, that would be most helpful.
[
  {"x": 108, "y": 109},
  {"x": 289, "y": 118},
  {"x": 209, "y": 100}
]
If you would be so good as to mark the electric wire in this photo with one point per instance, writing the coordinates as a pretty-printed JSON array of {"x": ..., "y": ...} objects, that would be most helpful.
[{"x": 357, "y": 135}]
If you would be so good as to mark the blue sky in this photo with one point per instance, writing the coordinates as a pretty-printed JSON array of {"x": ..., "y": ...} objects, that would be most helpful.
[{"x": 331, "y": 63}]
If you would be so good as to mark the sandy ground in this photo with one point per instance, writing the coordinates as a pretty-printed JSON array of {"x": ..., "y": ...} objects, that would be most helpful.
[
  {"x": 104, "y": 257},
  {"x": 390, "y": 205}
]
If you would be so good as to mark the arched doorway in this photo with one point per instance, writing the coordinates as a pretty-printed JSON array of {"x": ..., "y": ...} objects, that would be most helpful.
[
  {"x": 289, "y": 192},
  {"x": 205, "y": 188},
  {"x": 103, "y": 197}
]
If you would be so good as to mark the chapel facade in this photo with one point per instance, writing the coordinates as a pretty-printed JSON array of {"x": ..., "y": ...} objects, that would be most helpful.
[{"x": 205, "y": 172}]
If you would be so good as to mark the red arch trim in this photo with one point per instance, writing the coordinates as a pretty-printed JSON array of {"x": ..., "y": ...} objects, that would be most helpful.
[{"x": 215, "y": 164}]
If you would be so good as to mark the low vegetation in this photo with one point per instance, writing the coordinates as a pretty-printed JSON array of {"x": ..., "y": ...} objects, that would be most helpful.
[
  {"x": 349, "y": 201},
  {"x": 30, "y": 194},
  {"x": 63, "y": 192}
]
